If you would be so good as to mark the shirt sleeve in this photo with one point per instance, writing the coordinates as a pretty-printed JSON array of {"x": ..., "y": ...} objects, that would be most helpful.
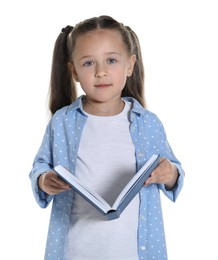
[
  {"x": 41, "y": 164},
  {"x": 167, "y": 152},
  {"x": 173, "y": 193}
]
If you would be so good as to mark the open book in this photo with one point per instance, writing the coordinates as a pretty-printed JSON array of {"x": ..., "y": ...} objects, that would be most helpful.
[{"x": 125, "y": 196}]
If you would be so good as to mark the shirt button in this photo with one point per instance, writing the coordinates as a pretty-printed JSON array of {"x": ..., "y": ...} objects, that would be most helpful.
[{"x": 142, "y": 248}]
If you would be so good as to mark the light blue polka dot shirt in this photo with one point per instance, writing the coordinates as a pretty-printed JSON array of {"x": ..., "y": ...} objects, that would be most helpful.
[{"x": 60, "y": 146}]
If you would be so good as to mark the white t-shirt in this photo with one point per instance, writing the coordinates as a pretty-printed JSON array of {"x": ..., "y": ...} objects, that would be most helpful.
[{"x": 106, "y": 162}]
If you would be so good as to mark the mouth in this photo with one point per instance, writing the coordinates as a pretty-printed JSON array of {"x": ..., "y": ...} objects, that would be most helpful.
[{"x": 103, "y": 85}]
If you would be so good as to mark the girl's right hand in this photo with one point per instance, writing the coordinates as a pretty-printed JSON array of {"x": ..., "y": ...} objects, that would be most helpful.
[{"x": 51, "y": 184}]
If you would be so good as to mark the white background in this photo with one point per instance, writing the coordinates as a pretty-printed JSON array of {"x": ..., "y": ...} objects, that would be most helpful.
[{"x": 180, "y": 49}]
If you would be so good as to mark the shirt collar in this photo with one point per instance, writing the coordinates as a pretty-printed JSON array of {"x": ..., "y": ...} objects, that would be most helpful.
[
  {"x": 77, "y": 105},
  {"x": 136, "y": 106}
]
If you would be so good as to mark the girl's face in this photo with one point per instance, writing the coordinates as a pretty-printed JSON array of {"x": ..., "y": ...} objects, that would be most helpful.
[{"x": 101, "y": 64}]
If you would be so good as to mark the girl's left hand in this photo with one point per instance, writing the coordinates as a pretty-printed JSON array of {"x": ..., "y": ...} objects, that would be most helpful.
[{"x": 166, "y": 173}]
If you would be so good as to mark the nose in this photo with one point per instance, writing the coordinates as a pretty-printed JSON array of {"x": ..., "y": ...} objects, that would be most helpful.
[{"x": 100, "y": 71}]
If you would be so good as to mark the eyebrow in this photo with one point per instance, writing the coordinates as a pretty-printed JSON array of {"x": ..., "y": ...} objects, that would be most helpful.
[{"x": 107, "y": 53}]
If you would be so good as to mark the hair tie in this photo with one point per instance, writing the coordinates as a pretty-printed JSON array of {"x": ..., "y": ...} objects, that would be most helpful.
[{"x": 67, "y": 29}]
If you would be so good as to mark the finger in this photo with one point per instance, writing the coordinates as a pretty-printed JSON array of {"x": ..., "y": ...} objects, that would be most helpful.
[
  {"x": 53, "y": 190},
  {"x": 52, "y": 184},
  {"x": 58, "y": 182},
  {"x": 53, "y": 179},
  {"x": 153, "y": 179},
  {"x": 156, "y": 176}
]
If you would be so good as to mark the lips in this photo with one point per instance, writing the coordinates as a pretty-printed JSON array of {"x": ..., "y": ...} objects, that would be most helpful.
[{"x": 103, "y": 85}]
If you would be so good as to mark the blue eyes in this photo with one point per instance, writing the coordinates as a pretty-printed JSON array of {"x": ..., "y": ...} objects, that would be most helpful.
[
  {"x": 111, "y": 61},
  {"x": 90, "y": 63}
]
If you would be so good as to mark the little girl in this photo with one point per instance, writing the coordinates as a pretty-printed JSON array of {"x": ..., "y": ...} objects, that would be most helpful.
[{"x": 102, "y": 137}]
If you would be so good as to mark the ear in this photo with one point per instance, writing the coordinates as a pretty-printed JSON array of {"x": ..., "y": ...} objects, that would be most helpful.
[
  {"x": 73, "y": 71},
  {"x": 132, "y": 60}
]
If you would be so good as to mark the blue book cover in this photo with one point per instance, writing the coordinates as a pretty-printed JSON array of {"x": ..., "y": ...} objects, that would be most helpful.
[{"x": 125, "y": 196}]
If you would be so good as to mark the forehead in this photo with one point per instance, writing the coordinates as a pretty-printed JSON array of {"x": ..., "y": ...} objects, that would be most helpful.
[
  {"x": 100, "y": 33},
  {"x": 100, "y": 38}
]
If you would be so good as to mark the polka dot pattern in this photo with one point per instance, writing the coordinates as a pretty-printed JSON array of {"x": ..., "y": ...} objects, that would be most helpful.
[{"x": 60, "y": 145}]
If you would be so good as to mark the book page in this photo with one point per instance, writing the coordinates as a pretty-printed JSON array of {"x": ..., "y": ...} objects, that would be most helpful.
[
  {"x": 125, "y": 196},
  {"x": 130, "y": 185},
  {"x": 82, "y": 189}
]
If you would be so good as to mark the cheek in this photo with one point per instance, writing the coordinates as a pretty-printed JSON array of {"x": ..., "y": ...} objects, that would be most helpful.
[
  {"x": 85, "y": 75},
  {"x": 121, "y": 75},
  {"x": 84, "y": 80}
]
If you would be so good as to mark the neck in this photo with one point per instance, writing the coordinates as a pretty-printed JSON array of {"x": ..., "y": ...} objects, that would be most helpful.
[{"x": 103, "y": 109}]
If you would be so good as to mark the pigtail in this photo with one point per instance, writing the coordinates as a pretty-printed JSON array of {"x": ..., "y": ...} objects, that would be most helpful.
[
  {"x": 135, "y": 84},
  {"x": 62, "y": 86}
]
